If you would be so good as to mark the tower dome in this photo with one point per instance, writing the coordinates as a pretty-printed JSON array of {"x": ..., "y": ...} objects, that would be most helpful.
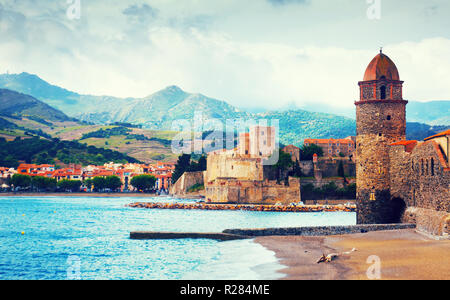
[{"x": 381, "y": 67}]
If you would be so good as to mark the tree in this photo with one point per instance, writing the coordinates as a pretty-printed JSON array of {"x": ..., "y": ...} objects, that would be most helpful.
[
  {"x": 113, "y": 183},
  {"x": 69, "y": 185},
  {"x": 143, "y": 182},
  {"x": 307, "y": 152},
  {"x": 341, "y": 172},
  {"x": 183, "y": 163},
  {"x": 297, "y": 170},
  {"x": 284, "y": 164},
  {"x": 21, "y": 181},
  {"x": 99, "y": 183},
  {"x": 88, "y": 183},
  {"x": 43, "y": 183}
]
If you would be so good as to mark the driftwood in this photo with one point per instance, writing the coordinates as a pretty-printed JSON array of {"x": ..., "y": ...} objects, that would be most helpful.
[{"x": 330, "y": 257}]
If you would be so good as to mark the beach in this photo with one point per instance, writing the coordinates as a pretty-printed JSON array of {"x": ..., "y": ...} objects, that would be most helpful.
[{"x": 404, "y": 255}]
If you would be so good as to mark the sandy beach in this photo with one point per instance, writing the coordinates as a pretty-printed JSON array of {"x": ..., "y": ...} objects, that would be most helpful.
[{"x": 404, "y": 255}]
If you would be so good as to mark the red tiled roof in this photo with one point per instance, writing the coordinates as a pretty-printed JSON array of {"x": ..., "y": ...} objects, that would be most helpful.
[
  {"x": 444, "y": 133},
  {"x": 404, "y": 143},
  {"x": 327, "y": 141},
  {"x": 381, "y": 66}
]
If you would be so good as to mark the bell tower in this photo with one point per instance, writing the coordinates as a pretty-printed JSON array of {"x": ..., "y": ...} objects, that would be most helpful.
[{"x": 380, "y": 121}]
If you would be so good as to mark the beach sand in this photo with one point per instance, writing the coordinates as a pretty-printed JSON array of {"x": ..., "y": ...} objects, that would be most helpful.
[{"x": 404, "y": 254}]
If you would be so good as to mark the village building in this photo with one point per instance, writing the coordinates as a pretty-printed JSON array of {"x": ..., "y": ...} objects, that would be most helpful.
[
  {"x": 397, "y": 180},
  {"x": 334, "y": 147},
  {"x": 293, "y": 151}
]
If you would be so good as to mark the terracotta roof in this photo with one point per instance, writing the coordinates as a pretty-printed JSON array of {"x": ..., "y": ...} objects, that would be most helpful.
[
  {"x": 404, "y": 143},
  {"x": 381, "y": 66},
  {"x": 327, "y": 141},
  {"x": 447, "y": 132}
]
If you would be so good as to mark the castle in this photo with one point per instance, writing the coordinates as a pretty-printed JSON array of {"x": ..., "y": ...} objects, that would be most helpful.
[
  {"x": 241, "y": 176},
  {"x": 397, "y": 180}
]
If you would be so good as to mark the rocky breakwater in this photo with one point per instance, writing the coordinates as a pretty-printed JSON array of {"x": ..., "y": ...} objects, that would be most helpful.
[{"x": 247, "y": 207}]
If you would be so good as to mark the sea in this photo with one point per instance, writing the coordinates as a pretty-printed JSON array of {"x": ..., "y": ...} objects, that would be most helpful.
[{"x": 87, "y": 238}]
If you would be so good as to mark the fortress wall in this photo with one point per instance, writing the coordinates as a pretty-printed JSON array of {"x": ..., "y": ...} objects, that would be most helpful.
[
  {"x": 228, "y": 190},
  {"x": 229, "y": 166},
  {"x": 421, "y": 178},
  {"x": 186, "y": 181}
]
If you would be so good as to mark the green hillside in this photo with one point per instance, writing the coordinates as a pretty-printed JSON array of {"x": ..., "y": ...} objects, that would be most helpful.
[
  {"x": 18, "y": 105},
  {"x": 43, "y": 151}
]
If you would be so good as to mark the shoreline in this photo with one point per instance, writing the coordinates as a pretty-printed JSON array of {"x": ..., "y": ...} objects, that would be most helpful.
[
  {"x": 404, "y": 254},
  {"x": 93, "y": 195}
]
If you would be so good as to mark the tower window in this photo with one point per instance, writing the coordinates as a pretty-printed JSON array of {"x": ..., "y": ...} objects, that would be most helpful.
[
  {"x": 383, "y": 92},
  {"x": 432, "y": 166},
  {"x": 389, "y": 118}
]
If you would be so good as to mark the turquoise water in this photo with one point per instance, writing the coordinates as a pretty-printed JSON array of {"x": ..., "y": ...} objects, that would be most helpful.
[{"x": 88, "y": 238}]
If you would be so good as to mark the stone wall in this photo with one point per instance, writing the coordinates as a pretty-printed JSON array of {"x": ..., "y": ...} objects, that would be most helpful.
[
  {"x": 234, "y": 166},
  {"x": 318, "y": 231},
  {"x": 379, "y": 124},
  {"x": 186, "y": 181},
  {"x": 428, "y": 220},
  {"x": 421, "y": 178},
  {"x": 231, "y": 190},
  {"x": 329, "y": 167}
]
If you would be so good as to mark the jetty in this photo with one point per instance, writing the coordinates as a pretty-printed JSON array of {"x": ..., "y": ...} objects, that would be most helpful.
[
  {"x": 246, "y": 207},
  {"x": 239, "y": 234}
]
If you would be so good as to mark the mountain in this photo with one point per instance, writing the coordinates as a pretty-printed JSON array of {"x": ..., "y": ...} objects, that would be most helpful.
[
  {"x": 18, "y": 105},
  {"x": 433, "y": 112},
  {"x": 159, "y": 110}
]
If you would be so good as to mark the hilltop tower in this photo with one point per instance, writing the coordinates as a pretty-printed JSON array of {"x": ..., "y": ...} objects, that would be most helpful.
[{"x": 380, "y": 121}]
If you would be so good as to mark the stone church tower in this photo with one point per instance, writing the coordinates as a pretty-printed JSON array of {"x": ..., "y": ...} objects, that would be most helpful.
[{"x": 380, "y": 121}]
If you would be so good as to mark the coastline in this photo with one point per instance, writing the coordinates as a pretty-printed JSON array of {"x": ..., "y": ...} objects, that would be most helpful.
[
  {"x": 94, "y": 195},
  {"x": 404, "y": 254}
]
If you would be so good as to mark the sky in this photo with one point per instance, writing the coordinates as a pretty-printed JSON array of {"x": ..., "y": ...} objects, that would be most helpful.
[{"x": 266, "y": 54}]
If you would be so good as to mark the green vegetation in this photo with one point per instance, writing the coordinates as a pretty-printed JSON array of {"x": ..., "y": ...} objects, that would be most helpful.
[
  {"x": 42, "y": 151},
  {"x": 69, "y": 185},
  {"x": 43, "y": 183},
  {"x": 185, "y": 164},
  {"x": 328, "y": 191},
  {"x": 307, "y": 152},
  {"x": 107, "y": 133},
  {"x": 283, "y": 166},
  {"x": 37, "y": 183},
  {"x": 195, "y": 188},
  {"x": 143, "y": 182},
  {"x": 111, "y": 183},
  {"x": 20, "y": 181}
]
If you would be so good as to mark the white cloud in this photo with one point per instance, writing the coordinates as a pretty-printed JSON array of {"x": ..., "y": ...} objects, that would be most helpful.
[{"x": 253, "y": 54}]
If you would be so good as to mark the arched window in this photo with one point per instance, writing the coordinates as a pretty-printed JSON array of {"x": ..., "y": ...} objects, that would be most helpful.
[
  {"x": 383, "y": 93},
  {"x": 432, "y": 166}
]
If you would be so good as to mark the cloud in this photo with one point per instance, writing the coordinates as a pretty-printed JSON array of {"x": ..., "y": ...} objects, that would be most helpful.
[
  {"x": 142, "y": 14},
  {"x": 285, "y": 2},
  {"x": 242, "y": 53}
]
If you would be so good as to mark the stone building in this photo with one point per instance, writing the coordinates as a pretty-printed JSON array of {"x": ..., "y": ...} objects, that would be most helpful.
[
  {"x": 293, "y": 151},
  {"x": 395, "y": 175},
  {"x": 241, "y": 176},
  {"x": 333, "y": 147}
]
